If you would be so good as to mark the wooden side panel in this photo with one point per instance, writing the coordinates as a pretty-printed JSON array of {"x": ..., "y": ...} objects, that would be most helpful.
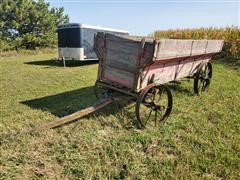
[
  {"x": 184, "y": 68},
  {"x": 172, "y": 48},
  {"x": 199, "y": 47},
  {"x": 188, "y": 67},
  {"x": 163, "y": 73},
  {"x": 214, "y": 46},
  {"x": 157, "y": 72},
  {"x": 120, "y": 77}
]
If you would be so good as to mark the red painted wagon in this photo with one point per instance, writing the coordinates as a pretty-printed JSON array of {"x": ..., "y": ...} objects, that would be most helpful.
[{"x": 140, "y": 67}]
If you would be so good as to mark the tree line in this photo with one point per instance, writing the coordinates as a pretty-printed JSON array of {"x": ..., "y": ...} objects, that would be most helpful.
[{"x": 29, "y": 24}]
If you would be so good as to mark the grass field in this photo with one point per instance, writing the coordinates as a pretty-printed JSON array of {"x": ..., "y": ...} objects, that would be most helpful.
[{"x": 201, "y": 139}]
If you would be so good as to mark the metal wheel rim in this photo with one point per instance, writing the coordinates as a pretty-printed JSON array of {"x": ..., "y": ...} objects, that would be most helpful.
[
  {"x": 203, "y": 78},
  {"x": 157, "y": 111}
]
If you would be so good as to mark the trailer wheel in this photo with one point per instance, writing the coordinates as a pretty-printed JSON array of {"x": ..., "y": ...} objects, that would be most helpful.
[
  {"x": 153, "y": 105},
  {"x": 202, "y": 78}
]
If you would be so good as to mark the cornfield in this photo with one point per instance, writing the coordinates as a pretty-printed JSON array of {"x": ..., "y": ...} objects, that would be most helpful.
[{"x": 230, "y": 35}]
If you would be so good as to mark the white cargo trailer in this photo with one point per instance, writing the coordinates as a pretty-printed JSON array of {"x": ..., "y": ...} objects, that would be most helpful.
[{"x": 75, "y": 41}]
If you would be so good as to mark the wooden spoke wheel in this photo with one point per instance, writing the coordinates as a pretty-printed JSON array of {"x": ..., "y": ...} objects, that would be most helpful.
[
  {"x": 153, "y": 105},
  {"x": 203, "y": 78}
]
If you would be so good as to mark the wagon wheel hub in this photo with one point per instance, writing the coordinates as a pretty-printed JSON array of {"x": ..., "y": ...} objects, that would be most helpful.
[
  {"x": 154, "y": 106},
  {"x": 160, "y": 108}
]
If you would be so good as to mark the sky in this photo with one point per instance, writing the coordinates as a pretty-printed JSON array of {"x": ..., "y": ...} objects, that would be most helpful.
[{"x": 142, "y": 17}]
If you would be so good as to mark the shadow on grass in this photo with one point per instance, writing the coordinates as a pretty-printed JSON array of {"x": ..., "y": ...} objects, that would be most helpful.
[
  {"x": 230, "y": 62},
  {"x": 72, "y": 101},
  {"x": 178, "y": 87},
  {"x": 69, "y": 102},
  {"x": 57, "y": 63},
  {"x": 64, "y": 103}
]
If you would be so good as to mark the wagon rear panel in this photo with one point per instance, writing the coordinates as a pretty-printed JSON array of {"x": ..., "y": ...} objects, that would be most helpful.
[
  {"x": 122, "y": 55},
  {"x": 121, "y": 59}
]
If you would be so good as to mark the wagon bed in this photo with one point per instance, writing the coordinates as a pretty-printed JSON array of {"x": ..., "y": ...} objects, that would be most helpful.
[{"x": 132, "y": 63}]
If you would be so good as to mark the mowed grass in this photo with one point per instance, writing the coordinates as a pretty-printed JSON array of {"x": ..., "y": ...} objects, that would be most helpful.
[{"x": 201, "y": 139}]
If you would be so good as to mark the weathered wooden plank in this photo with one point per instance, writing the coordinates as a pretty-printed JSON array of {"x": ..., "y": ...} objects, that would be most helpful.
[
  {"x": 196, "y": 65},
  {"x": 121, "y": 60},
  {"x": 188, "y": 67},
  {"x": 214, "y": 46},
  {"x": 170, "y": 48},
  {"x": 163, "y": 73},
  {"x": 121, "y": 77},
  {"x": 160, "y": 73},
  {"x": 199, "y": 47},
  {"x": 127, "y": 38},
  {"x": 125, "y": 48}
]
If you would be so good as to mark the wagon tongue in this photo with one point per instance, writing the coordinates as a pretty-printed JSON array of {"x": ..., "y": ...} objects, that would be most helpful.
[{"x": 72, "y": 117}]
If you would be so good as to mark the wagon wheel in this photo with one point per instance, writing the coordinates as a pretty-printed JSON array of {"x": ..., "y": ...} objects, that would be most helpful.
[
  {"x": 153, "y": 105},
  {"x": 202, "y": 78}
]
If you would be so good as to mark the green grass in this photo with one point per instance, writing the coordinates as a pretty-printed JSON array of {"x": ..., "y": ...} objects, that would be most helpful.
[{"x": 201, "y": 139}]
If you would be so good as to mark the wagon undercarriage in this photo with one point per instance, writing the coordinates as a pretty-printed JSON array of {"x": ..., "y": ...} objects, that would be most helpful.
[{"x": 155, "y": 102}]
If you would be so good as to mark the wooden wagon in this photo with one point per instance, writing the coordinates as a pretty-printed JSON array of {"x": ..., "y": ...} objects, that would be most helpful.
[{"x": 141, "y": 67}]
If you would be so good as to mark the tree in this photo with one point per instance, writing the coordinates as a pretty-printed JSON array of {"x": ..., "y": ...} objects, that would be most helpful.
[{"x": 29, "y": 23}]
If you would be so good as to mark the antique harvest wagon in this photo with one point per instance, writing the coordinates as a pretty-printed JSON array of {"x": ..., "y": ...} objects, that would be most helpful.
[{"x": 140, "y": 68}]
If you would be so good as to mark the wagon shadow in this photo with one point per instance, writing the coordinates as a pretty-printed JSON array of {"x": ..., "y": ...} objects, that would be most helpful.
[
  {"x": 229, "y": 62},
  {"x": 66, "y": 103},
  {"x": 180, "y": 88},
  {"x": 56, "y": 63},
  {"x": 69, "y": 102}
]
